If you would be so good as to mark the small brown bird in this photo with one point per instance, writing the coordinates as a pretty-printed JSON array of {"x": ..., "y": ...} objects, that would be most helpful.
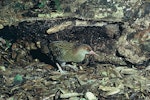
[{"x": 63, "y": 51}]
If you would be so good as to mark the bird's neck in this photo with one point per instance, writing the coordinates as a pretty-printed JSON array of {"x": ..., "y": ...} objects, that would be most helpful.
[{"x": 79, "y": 54}]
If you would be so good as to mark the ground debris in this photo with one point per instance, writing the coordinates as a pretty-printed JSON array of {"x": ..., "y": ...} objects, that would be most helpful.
[{"x": 116, "y": 30}]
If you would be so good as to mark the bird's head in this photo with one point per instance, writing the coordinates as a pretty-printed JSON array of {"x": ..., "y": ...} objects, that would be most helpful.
[{"x": 86, "y": 50}]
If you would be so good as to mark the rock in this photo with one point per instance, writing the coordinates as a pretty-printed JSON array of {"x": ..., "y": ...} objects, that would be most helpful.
[
  {"x": 90, "y": 96},
  {"x": 134, "y": 47}
]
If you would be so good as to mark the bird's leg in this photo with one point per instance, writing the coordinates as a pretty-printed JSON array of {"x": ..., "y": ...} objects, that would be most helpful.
[
  {"x": 86, "y": 60},
  {"x": 60, "y": 69},
  {"x": 63, "y": 64},
  {"x": 74, "y": 67}
]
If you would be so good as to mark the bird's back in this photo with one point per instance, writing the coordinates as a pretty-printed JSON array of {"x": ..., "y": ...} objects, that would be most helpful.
[{"x": 62, "y": 50}]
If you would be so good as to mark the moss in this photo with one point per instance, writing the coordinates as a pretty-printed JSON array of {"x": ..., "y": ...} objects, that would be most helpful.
[
  {"x": 42, "y": 4},
  {"x": 18, "y": 79},
  {"x": 57, "y": 5},
  {"x": 18, "y": 7}
]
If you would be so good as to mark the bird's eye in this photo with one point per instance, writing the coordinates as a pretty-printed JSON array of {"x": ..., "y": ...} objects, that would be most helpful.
[{"x": 86, "y": 48}]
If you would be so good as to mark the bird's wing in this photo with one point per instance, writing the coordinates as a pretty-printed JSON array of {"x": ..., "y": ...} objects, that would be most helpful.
[{"x": 60, "y": 47}]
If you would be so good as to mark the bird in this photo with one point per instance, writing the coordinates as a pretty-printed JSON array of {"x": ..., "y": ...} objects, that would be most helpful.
[{"x": 64, "y": 51}]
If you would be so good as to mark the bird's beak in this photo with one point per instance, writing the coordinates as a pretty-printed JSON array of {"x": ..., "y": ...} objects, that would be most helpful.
[{"x": 93, "y": 53}]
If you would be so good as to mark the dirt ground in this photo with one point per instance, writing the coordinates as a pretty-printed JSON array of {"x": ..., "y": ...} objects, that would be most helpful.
[{"x": 118, "y": 34}]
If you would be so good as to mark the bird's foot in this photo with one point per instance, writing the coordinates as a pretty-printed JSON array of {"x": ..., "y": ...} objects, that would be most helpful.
[
  {"x": 73, "y": 66},
  {"x": 60, "y": 69}
]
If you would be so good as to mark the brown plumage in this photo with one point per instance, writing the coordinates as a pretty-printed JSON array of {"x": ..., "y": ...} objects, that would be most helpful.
[{"x": 63, "y": 51}]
